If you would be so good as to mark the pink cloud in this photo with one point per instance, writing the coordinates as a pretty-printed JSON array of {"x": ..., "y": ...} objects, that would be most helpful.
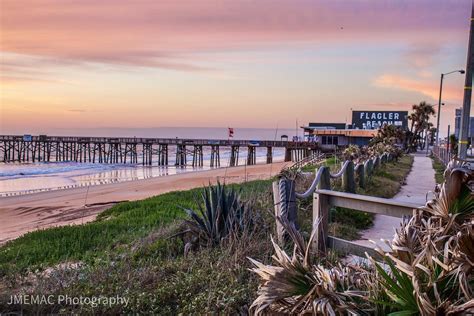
[
  {"x": 430, "y": 89},
  {"x": 162, "y": 33}
]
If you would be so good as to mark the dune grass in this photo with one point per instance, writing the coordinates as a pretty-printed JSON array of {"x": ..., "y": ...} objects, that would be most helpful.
[
  {"x": 439, "y": 169},
  {"x": 119, "y": 225},
  {"x": 127, "y": 252}
]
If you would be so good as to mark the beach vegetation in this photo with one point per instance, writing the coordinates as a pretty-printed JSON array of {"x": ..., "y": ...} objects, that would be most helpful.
[
  {"x": 113, "y": 228},
  {"x": 219, "y": 215},
  {"x": 427, "y": 270},
  {"x": 438, "y": 168},
  {"x": 130, "y": 251}
]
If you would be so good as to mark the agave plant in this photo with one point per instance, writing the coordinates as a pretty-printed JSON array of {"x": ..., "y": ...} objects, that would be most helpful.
[{"x": 220, "y": 214}]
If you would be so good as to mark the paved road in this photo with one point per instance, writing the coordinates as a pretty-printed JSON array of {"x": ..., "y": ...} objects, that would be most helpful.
[{"x": 419, "y": 182}]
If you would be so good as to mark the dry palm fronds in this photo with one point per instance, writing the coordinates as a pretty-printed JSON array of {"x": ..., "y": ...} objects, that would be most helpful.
[
  {"x": 295, "y": 287},
  {"x": 435, "y": 248},
  {"x": 428, "y": 270}
]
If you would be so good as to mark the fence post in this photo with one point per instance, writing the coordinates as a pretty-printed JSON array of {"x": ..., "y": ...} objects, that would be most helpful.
[
  {"x": 321, "y": 214},
  {"x": 359, "y": 170},
  {"x": 368, "y": 168},
  {"x": 376, "y": 163},
  {"x": 277, "y": 202},
  {"x": 284, "y": 197},
  {"x": 348, "y": 181}
]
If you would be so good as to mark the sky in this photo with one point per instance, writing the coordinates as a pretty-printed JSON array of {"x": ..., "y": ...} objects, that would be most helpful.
[{"x": 75, "y": 65}]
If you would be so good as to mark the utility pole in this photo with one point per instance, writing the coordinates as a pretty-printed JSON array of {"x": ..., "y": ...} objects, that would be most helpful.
[
  {"x": 448, "y": 150},
  {"x": 427, "y": 142},
  {"x": 466, "y": 107},
  {"x": 439, "y": 108}
]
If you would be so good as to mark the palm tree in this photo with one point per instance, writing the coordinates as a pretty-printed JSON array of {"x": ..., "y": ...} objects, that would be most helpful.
[{"x": 419, "y": 118}]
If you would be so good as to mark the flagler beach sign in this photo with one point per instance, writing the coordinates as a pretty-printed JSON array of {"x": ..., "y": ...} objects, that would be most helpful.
[{"x": 375, "y": 119}]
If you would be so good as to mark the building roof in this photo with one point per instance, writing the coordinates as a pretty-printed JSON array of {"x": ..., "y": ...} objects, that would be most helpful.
[
  {"x": 312, "y": 126},
  {"x": 347, "y": 132}
]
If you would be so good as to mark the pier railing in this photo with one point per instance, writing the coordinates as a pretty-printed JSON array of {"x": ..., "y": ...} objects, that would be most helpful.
[
  {"x": 148, "y": 140},
  {"x": 324, "y": 199}
]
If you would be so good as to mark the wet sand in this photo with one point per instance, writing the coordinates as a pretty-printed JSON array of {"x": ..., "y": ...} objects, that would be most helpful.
[{"x": 22, "y": 214}]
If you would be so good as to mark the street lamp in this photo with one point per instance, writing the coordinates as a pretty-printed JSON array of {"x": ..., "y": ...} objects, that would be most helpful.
[{"x": 461, "y": 71}]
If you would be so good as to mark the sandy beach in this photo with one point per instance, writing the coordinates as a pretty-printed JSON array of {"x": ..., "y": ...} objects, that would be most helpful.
[{"x": 22, "y": 214}]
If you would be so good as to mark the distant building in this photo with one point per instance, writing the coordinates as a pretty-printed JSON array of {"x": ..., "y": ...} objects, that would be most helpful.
[
  {"x": 331, "y": 139},
  {"x": 376, "y": 119},
  {"x": 308, "y": 130},
  {"x": 363, "y": 128},
  {"x": 457, "y": 124}
]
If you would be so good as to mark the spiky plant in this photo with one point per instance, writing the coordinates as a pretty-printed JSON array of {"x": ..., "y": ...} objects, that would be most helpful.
[
  {"x": 289, "y": 173},
  {"x": 352, "y": 152},
  {"x": 428, "y": 270},
  {"x": 432, "y": 255},
  {"x": 221, "y": 214},
  {"x": 297, "y": 285}
]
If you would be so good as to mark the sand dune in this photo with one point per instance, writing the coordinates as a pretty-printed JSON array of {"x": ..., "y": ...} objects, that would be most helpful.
[{"x": 22, "y": 214}]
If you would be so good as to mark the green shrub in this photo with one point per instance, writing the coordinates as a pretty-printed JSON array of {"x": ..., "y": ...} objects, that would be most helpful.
[{"x": 357, "y": 219}]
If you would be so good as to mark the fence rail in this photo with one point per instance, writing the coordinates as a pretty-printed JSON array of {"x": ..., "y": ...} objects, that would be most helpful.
[
  {"x": 443, "y": 154},
  {"x": 312, "y": 159},
  {"x": 324, "y": 199}
]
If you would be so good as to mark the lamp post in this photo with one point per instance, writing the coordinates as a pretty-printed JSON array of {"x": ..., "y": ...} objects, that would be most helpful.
[{"x": 461, "y": 71}]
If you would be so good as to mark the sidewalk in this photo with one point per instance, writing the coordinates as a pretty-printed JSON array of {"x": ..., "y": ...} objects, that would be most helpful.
[{"x": 419, "y": 182}]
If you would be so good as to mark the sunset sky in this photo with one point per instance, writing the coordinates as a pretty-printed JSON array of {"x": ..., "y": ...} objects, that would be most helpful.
[{"x": 241, "y": 63}]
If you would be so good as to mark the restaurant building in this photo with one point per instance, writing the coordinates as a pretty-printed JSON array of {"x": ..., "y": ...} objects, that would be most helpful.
[{"x": 362, "y": 129}]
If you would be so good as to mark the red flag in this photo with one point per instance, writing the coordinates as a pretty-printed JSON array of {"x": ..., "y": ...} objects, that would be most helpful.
[{"x": 231, "y": 132}]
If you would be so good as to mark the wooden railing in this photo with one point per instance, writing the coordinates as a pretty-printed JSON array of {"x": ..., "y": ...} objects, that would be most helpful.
[
  {"x": 443, "y": 154},
  {"x": 352, "y": 175},
  {"x": 324, "y": 199},
  {"x": 311, "y": 159}
]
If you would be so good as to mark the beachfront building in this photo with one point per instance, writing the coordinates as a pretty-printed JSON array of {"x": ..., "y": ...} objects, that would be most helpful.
[
  {"x": 308, "y": 131},
  {"x": 330, "y": 136},
  {"x": 331, "y": 139}
]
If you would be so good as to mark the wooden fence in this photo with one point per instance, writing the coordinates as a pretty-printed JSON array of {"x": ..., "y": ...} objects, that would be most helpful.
[
  {"x": 324, "y": 199},
  {"x": 311, "y": 159},
  {"x": 443, "y": 154}
]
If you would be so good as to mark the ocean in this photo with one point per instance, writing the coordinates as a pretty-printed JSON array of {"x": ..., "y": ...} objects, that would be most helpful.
[{"x": 26, "y": 178}]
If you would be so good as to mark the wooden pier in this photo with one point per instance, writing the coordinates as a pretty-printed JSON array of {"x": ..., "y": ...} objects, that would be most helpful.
[{"x": 107, "y": 150}]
